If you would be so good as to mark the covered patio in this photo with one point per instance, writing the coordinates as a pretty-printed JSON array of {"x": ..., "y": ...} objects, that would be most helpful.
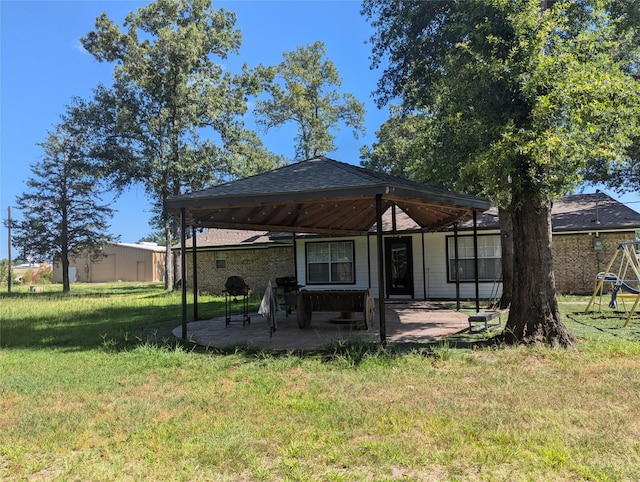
[
  {"x": 319, "y": 196},
  {"x": 407, "y": 322}
]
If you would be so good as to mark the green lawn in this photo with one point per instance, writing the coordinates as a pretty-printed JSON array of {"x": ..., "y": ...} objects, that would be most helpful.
[{"x": 93, "y": 387}]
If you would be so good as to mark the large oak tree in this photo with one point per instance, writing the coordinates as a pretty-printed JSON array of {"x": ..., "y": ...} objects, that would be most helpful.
[{"x": 521, "y": 97}]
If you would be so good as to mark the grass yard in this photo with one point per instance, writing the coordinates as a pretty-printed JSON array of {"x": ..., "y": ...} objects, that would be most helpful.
[{"x": 93, "y": 387}]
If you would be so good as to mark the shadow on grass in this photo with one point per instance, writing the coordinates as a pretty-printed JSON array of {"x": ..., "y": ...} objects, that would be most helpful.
[
  {"x": 85, "y": 331},
  {"x": 88, "y": 319},
  {"x": 611, "y": 323},
  {"x": 94, "y": 290},
  {"x": 119, "y": 317}
]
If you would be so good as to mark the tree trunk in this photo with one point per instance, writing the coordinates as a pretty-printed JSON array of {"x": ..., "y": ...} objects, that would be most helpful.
[
  {"x": 66, "y": 286},
  {"x": 534, "y": 316},
  {"x": 506, "y": 242},
  {"x": 64, "y": 251}
]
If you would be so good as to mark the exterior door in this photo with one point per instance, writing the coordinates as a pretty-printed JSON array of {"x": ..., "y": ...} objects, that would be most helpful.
[{"x": 399, "y": 266}]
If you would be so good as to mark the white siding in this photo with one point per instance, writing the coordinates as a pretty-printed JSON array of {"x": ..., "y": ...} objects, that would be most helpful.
[
  {"x": 429, "y": 268},
  {"x": 361, "y": 273},
  {"x": 436, "y": 273}
]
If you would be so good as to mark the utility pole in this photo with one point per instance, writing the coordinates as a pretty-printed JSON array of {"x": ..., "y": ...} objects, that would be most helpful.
[{"x": 9, "y": 249}]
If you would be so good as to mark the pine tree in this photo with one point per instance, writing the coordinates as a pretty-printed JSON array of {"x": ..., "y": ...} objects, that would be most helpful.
[
  {"x": 173, "y": 119},
  {"x": 303, "y": 91},
  {"x": 61, "y": 213}
]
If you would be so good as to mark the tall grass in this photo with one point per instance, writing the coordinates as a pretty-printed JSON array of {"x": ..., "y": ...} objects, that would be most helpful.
[{"x": 85, "y": 395}]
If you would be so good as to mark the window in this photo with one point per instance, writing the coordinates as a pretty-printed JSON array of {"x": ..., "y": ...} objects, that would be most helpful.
[
  {"x": 489, "y": 258},
  {"x": 330, "y": 263},
  {"x": 221, "y": 259}
]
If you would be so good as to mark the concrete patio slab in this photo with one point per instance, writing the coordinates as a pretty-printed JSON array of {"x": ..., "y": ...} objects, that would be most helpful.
[{"x": 406, "y": 322}]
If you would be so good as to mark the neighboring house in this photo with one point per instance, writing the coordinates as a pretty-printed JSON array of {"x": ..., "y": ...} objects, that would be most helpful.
[
  {"x": 587, "y": 229},
  {"x": 120, "y": 262}
]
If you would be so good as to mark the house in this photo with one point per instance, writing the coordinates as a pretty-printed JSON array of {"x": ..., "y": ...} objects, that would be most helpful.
[
  {"x": 587, "y": 229},
  {"x": 120, "y": 262},
  {"x": 256, "y": 256}
]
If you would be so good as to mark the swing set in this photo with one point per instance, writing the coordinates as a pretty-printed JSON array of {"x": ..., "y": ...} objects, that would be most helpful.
[{"x": 625, "y": 284}]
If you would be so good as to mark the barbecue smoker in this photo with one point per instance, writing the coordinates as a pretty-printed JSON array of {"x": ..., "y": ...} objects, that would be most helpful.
[
  {"x": 288, "y": 288},
  {"x": 236, "y": 293}
]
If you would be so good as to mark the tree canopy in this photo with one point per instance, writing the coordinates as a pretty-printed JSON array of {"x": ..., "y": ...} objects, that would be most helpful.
[
  {"x": 173, "y": 119},
  {"x": 302, "y": 89},
  {"x": 520, "y": 98}
]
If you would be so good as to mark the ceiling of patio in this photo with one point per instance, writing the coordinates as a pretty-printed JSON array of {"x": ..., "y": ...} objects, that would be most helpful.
[{"x": 320, "y": 195}]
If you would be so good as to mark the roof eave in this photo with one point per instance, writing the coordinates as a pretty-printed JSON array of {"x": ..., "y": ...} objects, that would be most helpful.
[{"x": 354, "y": 192}]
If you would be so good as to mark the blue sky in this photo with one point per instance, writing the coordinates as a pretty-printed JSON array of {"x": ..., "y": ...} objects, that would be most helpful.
[{"x": 43, "y": 66}]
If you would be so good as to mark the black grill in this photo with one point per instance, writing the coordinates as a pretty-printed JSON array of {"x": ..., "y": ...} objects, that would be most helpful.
[
  {"x": 236, "y": 292},
  {"x": 288, "y": 288}
]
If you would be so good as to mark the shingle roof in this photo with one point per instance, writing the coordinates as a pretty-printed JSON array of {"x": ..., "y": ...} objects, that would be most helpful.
[
  {"x": 235, "y": 237},
  {"x": 577, "y": 212},
  {"x": 315, "y": 175},
  {"x": 592, "y": 211},
  {"x": 320, "y": 195}
]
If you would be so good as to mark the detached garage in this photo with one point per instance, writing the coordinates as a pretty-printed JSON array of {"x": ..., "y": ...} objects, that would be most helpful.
[{"x": 121, "y": 262}]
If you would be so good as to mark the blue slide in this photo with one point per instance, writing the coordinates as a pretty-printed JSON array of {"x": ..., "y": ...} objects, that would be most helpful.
[{"x": 621, "y": 284}]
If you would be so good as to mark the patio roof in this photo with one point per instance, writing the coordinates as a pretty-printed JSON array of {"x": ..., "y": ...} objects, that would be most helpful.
[{"x": 320, "y": 195}]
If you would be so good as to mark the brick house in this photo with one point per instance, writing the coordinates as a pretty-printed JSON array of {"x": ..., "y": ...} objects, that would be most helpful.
[
  {"x": 256, "y": 256},
  {"x": 587, "y": 229}
]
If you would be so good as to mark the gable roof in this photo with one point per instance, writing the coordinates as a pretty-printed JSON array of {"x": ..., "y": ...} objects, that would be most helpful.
[{"x": 320, "y": 195}]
